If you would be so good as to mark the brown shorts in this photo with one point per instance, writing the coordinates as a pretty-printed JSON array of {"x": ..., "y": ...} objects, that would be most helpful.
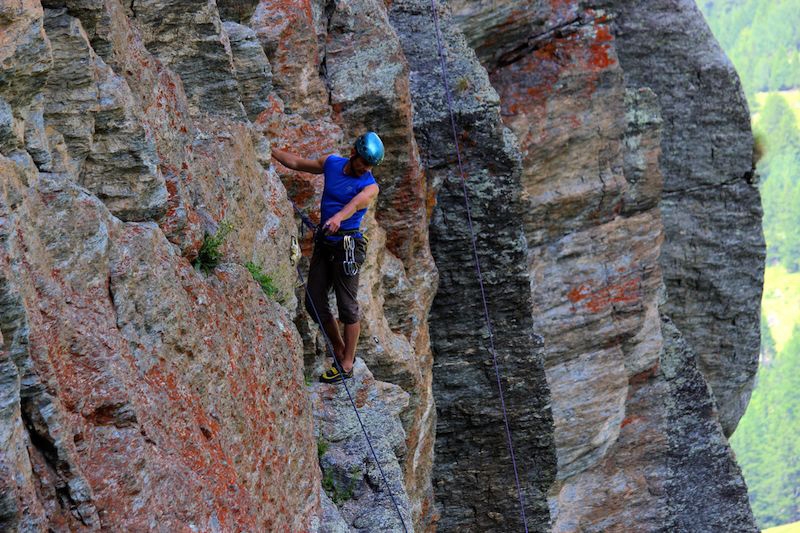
[{"x": 326, "y": 271}]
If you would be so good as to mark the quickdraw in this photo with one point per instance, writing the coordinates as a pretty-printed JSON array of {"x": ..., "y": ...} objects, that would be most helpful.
[{"x": 349, "y": 264}]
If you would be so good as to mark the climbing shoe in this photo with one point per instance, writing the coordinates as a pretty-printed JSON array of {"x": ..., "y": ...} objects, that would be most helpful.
[{"x": 332, "y": 375}]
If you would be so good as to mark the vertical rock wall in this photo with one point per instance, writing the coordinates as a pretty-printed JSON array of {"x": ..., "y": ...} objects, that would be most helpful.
[
  {"x": 608, "y": 163},
  {"x": 580, "y": 93},
  {"x": 714, "y": 251},
  {"x": 140, "y": 392},
  {"x": 129, "y": 131},
  {"x": 473, "y": 476}
]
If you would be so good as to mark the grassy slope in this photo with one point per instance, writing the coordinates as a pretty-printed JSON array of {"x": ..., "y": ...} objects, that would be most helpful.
[
  {"x": 781, "y": 303},
  {"x": 792, "y": 98},
  {"x": 788, "y": 528}
]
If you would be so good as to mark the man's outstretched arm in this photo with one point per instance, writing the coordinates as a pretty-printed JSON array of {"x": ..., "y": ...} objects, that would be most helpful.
[
  {"x": 295, "y": 162},
  {"x": 359, "y": 201}
]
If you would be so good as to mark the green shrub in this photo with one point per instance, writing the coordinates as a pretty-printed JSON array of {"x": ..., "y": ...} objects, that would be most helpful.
[
  {"x": 327, "y": 482},
  {"x": 338, "y": 494},
  {"x": 322, "y": 447},
  {"x": 209, "y": 256},
  {"x": 267, "y": 285}
]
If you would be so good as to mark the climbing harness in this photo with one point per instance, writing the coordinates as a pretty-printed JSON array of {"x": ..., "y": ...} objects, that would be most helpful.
[
  {"x": 329, "y": 345},
  {"x": 477, "y": 261},
  {"x": 349, "y": 264}
]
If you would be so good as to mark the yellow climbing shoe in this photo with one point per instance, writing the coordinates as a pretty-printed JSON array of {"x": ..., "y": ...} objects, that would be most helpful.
[{"x": 332, "y": 375}]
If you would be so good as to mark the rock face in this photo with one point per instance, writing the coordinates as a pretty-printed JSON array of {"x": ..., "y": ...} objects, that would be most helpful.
[
  {"x": 350, "y": 476},
  {"x": 473, "y": 477},
  {"x": 599, "y": 135},
  {"x": 713, "y": 254},
  {"x": 608, "y": 163}
]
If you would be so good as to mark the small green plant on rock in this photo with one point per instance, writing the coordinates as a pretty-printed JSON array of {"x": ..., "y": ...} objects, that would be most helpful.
[
  {"x": 327, "y": 482},
  {"x": 267, "y": 285},
  {"x": 322, "y": 447},
  {"x": 337, "y": 493},
  {"x": 210, "y": 254}
]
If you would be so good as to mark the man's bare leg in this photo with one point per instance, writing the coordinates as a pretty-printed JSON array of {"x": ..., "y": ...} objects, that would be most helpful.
[
  {"x": 351, "y": 333},
  {"x": 332, "y": 329}
]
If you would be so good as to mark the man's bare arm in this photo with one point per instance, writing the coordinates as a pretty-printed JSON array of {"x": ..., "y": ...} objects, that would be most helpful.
[
  {"x": 295, "y": 162},
  {"x": 359, "y": 201}
]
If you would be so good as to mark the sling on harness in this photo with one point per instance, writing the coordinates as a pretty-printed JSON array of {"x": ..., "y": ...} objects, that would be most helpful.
[{"x": 349, "y": 264}]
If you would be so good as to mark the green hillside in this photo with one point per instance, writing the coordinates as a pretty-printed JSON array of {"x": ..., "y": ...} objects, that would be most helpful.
[{"x": 762, "y": 38}]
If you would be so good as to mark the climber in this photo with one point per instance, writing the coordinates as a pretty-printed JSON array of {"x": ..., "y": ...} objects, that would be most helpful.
[{"x": 339, "y": 245}]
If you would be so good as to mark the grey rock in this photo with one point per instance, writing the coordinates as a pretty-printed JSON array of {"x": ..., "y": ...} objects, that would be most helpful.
[
  {"x": 189, "y": 38},
  {"x": 714, "y": 251},
  {"x": 36, "y": 141},
  {"x": 71, "y": 93},
  {"x": 705, "y": 489},
  {"x": 253, "y": 71},
  {"x": 93, "y": 109},
  {"x": 122, "y": 166},
  {"x": 25, "y": 55},
  {"x": 355, "y": 481},
  {"x": 594, "y": 185},
  {"x": 9, "y": 139},
  {"x": 331, "y": 520},
  {"x": 473, "y": 478},
  {"x": 236, "y": 10}
]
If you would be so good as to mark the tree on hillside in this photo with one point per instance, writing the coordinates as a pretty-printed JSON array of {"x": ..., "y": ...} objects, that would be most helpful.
[
  {"x": 780, "y": 183},
  {"x": 766, "y": 443},
  {"x": 762, "y": 38}
]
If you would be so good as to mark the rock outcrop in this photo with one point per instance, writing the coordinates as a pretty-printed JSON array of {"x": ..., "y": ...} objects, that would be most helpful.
[
  {"x": 608, "y": 164},
  {"x": 599, "y": 135},
  {"x": 473, "y": 478}
]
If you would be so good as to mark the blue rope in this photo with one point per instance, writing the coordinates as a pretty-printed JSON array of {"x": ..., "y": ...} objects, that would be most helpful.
[
  {"x": 477, "y": 261},
  {"x": 306, "y": 220},
  {"x": 329, "y": 345}
]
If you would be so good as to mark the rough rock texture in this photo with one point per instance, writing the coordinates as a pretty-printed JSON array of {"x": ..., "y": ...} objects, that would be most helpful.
[
  {"x": 592, "y": 172},
  {"x": 142, "y": 112},
  {"x": 350, "y": 475},
  {"x": 714, "y": 250},
  {"x": 473, "y": 477},
  {"x": 618, "y": 235},
  {"x": 137, "y": 386}
]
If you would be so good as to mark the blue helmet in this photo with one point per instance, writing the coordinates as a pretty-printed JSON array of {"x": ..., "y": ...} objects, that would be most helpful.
[{"x": 370, "y": 147}]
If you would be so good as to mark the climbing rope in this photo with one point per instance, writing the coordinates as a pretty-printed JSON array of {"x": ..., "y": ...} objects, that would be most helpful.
[
  {"x": 313, "y": 227},
  {"x": 477, "y": 261}
]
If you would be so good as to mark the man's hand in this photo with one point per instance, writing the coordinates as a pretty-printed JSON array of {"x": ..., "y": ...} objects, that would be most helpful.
[
  {"x": 334, "y": 223},
  {"x": 360, "y": 201}
]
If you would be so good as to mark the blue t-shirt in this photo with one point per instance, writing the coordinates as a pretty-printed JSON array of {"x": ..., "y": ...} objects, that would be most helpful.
[{"x": 339, "y": 189}]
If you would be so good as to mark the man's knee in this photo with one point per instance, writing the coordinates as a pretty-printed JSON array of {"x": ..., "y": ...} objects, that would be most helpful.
[
  {"x": 349, "y": 313},
  {"x": 316, "y": 310}
]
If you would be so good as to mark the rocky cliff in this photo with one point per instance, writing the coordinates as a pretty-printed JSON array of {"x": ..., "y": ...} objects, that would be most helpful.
[{"x": 608, "y": 161}]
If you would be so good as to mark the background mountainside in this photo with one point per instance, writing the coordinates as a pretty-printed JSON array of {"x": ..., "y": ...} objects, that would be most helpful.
[{"x": 762, "y": 38}]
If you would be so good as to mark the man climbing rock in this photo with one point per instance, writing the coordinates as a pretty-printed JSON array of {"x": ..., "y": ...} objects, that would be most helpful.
[{"x": 339, "y": 245}]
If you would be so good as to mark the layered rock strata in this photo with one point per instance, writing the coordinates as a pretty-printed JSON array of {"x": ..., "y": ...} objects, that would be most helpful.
[
  {"x": 714, "y": 250},
  {"x": 592, "y": 172},
  {"x": 133, "y": 130},
  {"x": 137, "y": 387},
  {"x": 618, "y": 235},
  {"x": 473, "y": 475}
]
